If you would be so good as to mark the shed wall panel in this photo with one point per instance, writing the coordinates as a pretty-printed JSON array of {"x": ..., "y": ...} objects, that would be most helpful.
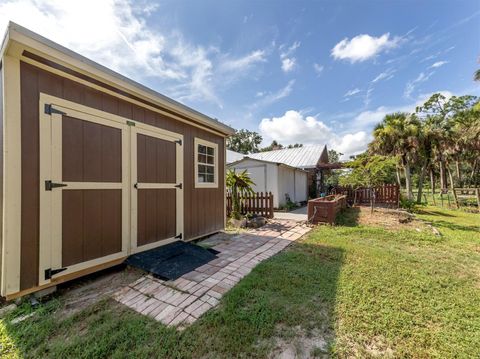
[{"x": 203, "y": 207}]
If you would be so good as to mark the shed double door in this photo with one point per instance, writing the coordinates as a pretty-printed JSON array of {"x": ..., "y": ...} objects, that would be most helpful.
[{"x": 108, "y": 187}]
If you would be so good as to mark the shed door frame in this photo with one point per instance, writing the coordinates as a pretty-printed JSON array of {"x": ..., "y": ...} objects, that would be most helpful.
[
  {"x": 50, "y": 168},
  {"x": 155, "y": 132}
]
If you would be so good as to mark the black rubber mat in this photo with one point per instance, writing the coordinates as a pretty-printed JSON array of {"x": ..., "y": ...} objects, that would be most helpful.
[{"x": 172, "y": 260}]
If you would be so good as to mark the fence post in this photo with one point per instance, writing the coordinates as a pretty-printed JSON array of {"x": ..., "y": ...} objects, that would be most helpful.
[{"x": 271, "y": 203}]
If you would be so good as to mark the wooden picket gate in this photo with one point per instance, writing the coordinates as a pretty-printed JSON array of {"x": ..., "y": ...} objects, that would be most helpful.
[
  {"x": 385, "y": 194},
  {"x": 258, "y": 203}
]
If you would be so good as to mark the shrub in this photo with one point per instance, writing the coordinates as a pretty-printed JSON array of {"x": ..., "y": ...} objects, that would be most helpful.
[{"x": 409, "y": 205}]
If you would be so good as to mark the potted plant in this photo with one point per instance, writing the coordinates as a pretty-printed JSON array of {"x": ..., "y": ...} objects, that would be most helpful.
[{"x": 239, "y": 184}]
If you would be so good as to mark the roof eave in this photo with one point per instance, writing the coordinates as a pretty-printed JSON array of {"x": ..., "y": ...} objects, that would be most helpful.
[{"x": 265, "y": 161}]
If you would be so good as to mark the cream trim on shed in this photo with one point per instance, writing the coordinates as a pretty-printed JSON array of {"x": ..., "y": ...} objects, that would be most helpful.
[
  {"x": 214, "y": 184},
  {"x": 12, "y": 194}
]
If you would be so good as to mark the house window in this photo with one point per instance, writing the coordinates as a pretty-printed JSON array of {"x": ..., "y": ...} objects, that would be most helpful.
[{"x": 206, "y": 164}]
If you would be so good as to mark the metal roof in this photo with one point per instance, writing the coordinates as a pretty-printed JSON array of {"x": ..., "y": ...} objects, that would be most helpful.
[
  {"x": 14, "y": 28},
  {"x": 247, "y": 158},
  {"x": 233, "y": 156},
  {"x": 301, "y": 157}
]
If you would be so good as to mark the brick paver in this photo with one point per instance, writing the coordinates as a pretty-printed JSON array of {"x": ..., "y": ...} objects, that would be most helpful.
[{"x": 182, "y": 301}]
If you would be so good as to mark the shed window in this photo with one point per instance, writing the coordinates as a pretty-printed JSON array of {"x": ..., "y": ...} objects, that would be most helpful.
[{"x": 206, "y": 163}]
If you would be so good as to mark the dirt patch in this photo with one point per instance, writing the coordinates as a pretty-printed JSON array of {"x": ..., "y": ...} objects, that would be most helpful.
[
  {"x": 79, "y": 294},
  {"x": 390, "y": 219},
  {"x": 313, "y": 344}
]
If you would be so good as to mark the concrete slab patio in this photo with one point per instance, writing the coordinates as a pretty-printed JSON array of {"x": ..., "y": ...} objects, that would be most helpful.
[
  {"x": 182, "y": 301},
  {"x": 298, "y": 215}
]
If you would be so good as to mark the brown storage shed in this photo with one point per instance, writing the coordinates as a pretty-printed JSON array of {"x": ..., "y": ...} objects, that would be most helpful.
[{"x": 95, "y": 166}]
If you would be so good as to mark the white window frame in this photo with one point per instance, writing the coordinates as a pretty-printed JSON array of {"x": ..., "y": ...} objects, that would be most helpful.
[{"x": 214, "y": 184}]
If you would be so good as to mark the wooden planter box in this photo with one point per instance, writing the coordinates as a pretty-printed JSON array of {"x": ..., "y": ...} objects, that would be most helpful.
[{"x": 325, "y": 209}]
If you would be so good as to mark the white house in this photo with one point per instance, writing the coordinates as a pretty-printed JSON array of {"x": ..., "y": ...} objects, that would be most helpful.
[
  {"x": 280, "y": 179},
  {"x": 286, "y": 172}
]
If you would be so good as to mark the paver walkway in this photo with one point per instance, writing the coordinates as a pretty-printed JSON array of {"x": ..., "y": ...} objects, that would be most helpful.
[{"x": 182, "y": 301}]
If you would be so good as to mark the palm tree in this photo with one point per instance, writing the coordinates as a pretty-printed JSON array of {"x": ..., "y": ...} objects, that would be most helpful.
[
  {"x": 430, "y": 135},
  {"x": 239, "y": 185},
  {"x": 397, "y": 135},
  {"x": 440, "y": 113}
]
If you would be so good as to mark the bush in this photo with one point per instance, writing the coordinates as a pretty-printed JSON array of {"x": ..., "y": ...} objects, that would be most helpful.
[{"x": 409, "y": 205}]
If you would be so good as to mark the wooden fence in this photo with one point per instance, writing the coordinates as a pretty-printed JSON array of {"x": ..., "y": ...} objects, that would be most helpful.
[
  {"x": 259, "y": 203},
  {"x": 386, "y": 194}
]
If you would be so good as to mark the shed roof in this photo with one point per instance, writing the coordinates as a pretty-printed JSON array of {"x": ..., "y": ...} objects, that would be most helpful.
[
  {"x": 233, "y": 156},
  {"x": 307, "y": 156},
  {"x": 32, "y": 41}
]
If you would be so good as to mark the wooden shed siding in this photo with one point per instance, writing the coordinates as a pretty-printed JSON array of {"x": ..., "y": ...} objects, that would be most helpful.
[{"x": 203, "y": 207}]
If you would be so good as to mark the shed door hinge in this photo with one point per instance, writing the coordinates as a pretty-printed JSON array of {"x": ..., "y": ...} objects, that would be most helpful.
[
  {"x": 179, "y": 142},
  {"x": 178, "y": 186},
  {"x": 49, "y": 185},
  {"x": 51, "y": 272},
  {"x": 178, "y": 236},
  {"x": 130, "y": 123},
  {"x": 49, "y": 109}
]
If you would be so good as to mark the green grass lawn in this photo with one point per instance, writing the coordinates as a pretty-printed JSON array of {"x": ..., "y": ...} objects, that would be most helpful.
[{"x": 366, "y": 291}]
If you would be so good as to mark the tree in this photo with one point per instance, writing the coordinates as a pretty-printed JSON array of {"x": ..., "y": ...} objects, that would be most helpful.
[
  {"x": 297, "y": 145},
  {"x": 239, "y": 184},
  {"x": 439, "y": 116},
  {"x": 273, "y": 147},
  {"x": 369, "y": 171},
  {"x": 476, "y": 76},
  {"x": 334, "y": 156},
  {"x": 396, "y": 136},
  {"x": 244, "y": 141},
  {"x": 332, "y": 176}
]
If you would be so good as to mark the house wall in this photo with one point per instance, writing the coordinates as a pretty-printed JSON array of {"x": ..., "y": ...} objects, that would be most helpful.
[
  {"x": 292, "y": 182},
  {"x": 264, "y": 175},
  {"x": 286, "y": 184},
  {"x": 204, "y": 207},
  {"x": 301, "y": 187}
]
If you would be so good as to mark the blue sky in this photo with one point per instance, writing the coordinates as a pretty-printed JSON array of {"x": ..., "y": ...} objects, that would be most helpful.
[{"x": 309, "y": 72}]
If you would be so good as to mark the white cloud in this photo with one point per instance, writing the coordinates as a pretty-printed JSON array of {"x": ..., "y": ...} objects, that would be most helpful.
[
  {"x": 243, "y": 63},
  {"x": 438, "y": 64},
  {"x": 268, "y": 98},
  {"x": 368, "y": 96},
  {"x": 428, "y": 58},
  {"x": 371, "y": 117},
  {"x": 351, "y": 143},
  {"x": 115, "y": 33},
  {"x": 352, "y": 92},
  {"x": 386, "y": 75},
  {"x": 411, "y": 85},
  {"x": 287, "y": 51},
  {"x": 318, "y": 68},
  {"x": 363, "y": 47},
  {"x": 295, "y": 127},
  {"x": 288, "y": 64}
]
